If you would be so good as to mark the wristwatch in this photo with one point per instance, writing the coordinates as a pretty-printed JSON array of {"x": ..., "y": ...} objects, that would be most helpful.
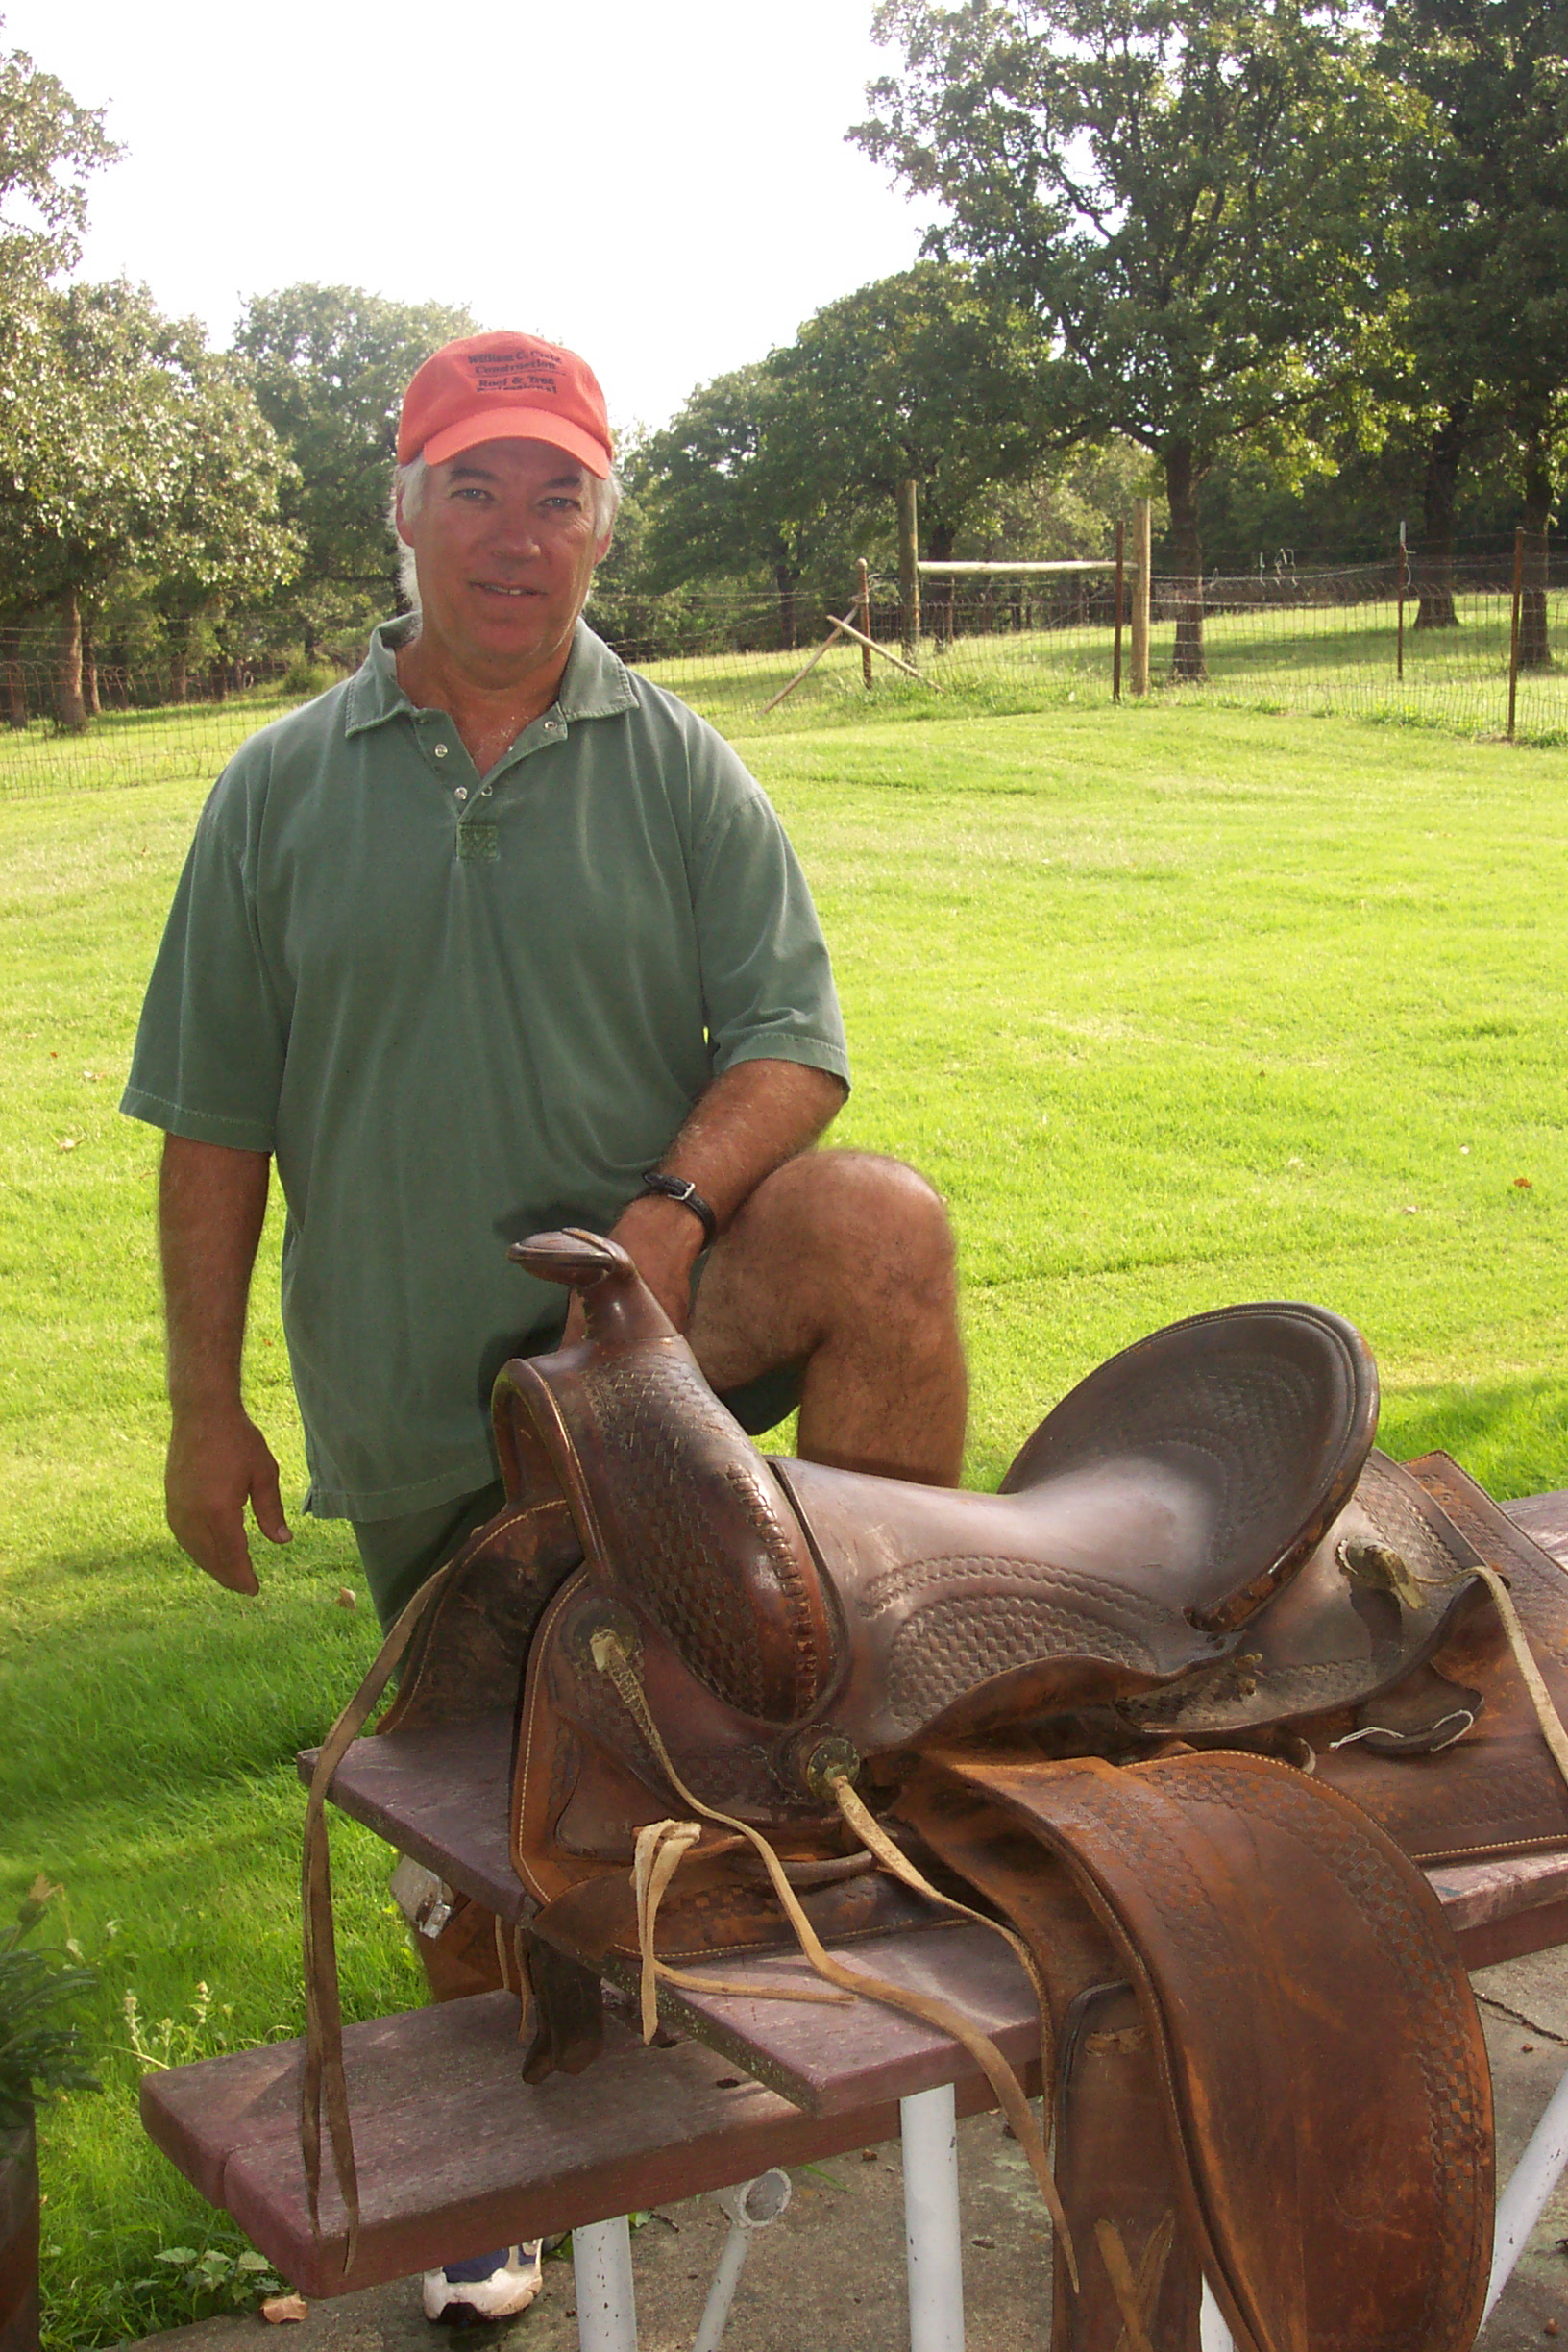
[{"x": 676, "y": 1188}]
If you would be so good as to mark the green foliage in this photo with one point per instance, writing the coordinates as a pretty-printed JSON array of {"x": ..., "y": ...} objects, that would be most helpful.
[
  {"x": 304, "y": 678},
  {"x": 134, "y": 445},
  {"x": 48, "y": 146},
  {"x": 926, "y": 377},
  {"x": 328, "y": 366},
  {"x": 37, "y": 2045},
  {"x": 722, "y": 492},
  {"x": 1190, "y": 197}
]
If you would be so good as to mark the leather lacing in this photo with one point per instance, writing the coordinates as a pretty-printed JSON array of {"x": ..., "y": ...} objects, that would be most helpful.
[{"x": 663, "y": 1847}]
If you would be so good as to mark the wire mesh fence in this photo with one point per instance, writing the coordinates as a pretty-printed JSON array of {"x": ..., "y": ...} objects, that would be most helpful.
[{"x": 1369, "y": 640}]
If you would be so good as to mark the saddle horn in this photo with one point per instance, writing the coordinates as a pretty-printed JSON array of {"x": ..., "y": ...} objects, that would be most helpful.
[
  {"x": 573, "y": 1256},
  {"x": 618, "y": 1308}
]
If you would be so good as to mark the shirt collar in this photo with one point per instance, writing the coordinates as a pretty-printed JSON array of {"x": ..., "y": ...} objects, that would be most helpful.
[{"x": 595, "y": 684}]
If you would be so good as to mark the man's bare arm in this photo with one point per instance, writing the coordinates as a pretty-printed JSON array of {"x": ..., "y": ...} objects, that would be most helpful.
[
  {"x": 212, "y": 1202},
  {"x": 752, "y": 1119}
]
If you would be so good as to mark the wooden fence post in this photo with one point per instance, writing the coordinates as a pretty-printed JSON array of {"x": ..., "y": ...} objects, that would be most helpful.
[
  {"x": 863, "y": 599},
  {"x": 1115, "y": 658},
  {"x": 909, "y": 578},
  {"x": 1142, "y": 543},
  {"x": 1514, "y": 635},
  {"x": 1403, "y": 582}
]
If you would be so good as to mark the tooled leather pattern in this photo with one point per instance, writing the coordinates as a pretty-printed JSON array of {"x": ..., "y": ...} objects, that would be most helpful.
[
  {"x": 1424, "y": 1962},
  {"x": 650, "y": 1415},
  {"x": 1114, "y": 1817},
  {"x": 954, "y": 1644},
  {"x": 1254, "y": 1420},
  {"x": 1136, "y": 1611}
]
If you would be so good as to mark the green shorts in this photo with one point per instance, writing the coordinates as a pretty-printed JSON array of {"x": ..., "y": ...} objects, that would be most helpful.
[{"x": 400, "y": 1554}]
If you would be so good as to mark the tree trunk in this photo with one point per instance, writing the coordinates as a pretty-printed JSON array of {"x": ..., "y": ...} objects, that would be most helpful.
[
  {"x": 1182, "y": 478},
  {"x": 18, "y": 2242},
  {"x": 786, "y": 577},
  {"x": 89, "y": 670},
  {"x": 14, "y": 678},
  {"x": 1433, "y": 565},
  {"x": 180, "y": 660},
  {"x": 939, "y": 597},
  {"x": 1535, "y": 650},
  {"x": 71, "y": 710}
]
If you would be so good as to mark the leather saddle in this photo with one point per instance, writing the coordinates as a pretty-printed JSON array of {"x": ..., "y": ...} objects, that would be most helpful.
[{"x": 1171, "y": 1705}]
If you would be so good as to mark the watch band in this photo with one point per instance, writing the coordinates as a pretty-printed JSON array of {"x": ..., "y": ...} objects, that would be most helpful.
[{"x": 677, "y": 1188}]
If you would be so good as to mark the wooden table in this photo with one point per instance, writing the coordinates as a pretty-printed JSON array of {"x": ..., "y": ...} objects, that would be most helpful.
[{"x": 753, "y": 2082}]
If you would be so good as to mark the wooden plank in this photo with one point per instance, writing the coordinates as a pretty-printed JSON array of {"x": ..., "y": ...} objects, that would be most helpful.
[
  {"x": 443, "y": 1795},
  {"x": 1477, "y": 1894},
  {"x": 828, "y": 2061},
  {"x": 457, "y": 2154},
  {"x": 1540, "y": 1929}
]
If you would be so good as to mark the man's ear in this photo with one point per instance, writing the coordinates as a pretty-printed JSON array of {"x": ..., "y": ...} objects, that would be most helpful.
[
  {"x": 403, "y": 532},
  {"x": 603, "y": 547}
]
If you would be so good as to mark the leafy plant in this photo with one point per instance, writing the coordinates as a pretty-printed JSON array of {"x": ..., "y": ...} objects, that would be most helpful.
[
  {"x": 217, "y": 2270},
  {"x": 37, "y": 2047}
]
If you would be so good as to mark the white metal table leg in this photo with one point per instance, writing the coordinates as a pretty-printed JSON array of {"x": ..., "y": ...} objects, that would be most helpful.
[
  {"x": 606, "y": 2309},
  {"x": 1534, "y": 2177},
  {"x": 1214, "y": 2336},
  {"x": 933, "y": 2242}
]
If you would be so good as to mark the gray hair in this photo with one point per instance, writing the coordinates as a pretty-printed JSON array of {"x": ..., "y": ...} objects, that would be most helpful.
[{"x": 408, "y": 486}]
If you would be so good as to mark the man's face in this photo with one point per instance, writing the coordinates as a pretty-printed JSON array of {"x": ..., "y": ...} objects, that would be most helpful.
[{"x": 506, "y": 545}]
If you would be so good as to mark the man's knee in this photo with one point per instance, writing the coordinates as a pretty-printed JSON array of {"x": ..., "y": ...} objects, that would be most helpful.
[{"x": 869, "y": 1218}]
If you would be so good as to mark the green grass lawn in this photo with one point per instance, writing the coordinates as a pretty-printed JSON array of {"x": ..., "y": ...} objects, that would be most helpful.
[{"x": 1177, "y": 1005}]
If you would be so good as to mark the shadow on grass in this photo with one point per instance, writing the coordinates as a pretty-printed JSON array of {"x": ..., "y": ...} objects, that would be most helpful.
[
  {"x": 1513, "y": 1435},
  {"x": 168, "y": 1689}
]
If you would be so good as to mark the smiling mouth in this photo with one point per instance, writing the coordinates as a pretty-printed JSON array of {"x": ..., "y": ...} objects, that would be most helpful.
[{"x": 500, "y": 589}]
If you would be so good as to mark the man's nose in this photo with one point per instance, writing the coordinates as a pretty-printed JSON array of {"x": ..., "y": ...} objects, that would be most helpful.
[{"x": 515, "y": 529}]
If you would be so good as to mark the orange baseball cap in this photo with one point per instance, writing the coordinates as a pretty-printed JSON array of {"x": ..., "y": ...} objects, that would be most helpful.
[{"x": 504, "y": 387}]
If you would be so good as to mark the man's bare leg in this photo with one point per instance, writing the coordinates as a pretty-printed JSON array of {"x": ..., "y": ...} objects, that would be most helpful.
[{"x": 844, "y": 1260}]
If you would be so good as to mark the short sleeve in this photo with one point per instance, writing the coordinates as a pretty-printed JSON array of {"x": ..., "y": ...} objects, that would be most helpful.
[
  {"x": 208, "y": 1057},
  {"x": 766, "y": 980}
]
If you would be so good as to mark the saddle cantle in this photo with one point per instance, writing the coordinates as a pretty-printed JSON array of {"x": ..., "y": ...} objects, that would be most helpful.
[{"x": 1041, "y": 1693}]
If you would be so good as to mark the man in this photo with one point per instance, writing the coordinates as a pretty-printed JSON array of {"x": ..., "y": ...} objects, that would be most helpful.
[{"x": 493, "y": 938}]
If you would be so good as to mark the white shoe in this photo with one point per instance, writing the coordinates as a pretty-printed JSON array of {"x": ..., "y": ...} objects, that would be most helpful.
[{"x": 492, "y": 2287}]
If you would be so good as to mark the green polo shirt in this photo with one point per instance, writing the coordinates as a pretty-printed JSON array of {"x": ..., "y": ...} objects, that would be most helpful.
[{"x": 460, "y": 1009}]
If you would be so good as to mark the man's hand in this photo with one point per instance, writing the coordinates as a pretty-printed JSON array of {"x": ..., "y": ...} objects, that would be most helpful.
[{"x": 218, "y": 1463}]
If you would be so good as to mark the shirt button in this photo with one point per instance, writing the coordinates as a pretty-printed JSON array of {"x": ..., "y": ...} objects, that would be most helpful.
[
  {"x": 484, "y": 791},
  {"x": 463, "y": 792},
  {"x": 440, "y": 750}
]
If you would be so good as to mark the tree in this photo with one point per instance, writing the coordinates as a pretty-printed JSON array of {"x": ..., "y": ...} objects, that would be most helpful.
[
  {"x": 729, "y": 485},
  {"x": 328, "y": 366},
  {"x": 1485, "y": 200},
  {"x": 925, "y": 376},
  {"x": 1188, "y": 195},
  {"x": 133, "y": 446},
  {"x": 48, "y": 145}
]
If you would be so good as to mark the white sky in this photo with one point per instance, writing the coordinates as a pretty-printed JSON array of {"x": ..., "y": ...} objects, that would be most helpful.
[{"x": 664, "y": 184}]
